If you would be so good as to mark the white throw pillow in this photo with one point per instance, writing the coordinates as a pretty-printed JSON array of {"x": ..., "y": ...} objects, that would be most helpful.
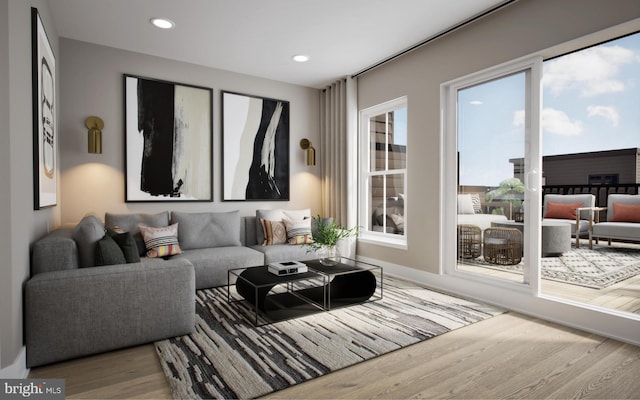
[{"x": 465, "y": 204}]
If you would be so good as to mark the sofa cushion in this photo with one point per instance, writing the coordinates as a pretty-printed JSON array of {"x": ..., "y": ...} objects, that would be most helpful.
[
  {"x": 625, "y": 213},
  {"x": 161, "y": 242},
  {"x": 129, "y": 223},
  {"x": 617, "y": 230},
  {"x": 108, "y": 252},
  {"x": 211, "y": 265},
  {"x": 86, "y": 234},
  {"x": 205, "y": 230},
  {"x": 277, "y": 215},
  {"x": 127, "y": 244}
]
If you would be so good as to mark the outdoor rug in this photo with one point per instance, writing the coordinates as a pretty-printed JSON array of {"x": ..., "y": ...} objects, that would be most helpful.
[
  {"x": 227, "y": 357},
  {"x": 598, "y": 268}
]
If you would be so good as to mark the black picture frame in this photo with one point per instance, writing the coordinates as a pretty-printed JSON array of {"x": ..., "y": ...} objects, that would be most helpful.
[
  {"x": 255, "y": 148},
  {"x": 168, "y": 141},
  {"x": 45, "y": 142}
]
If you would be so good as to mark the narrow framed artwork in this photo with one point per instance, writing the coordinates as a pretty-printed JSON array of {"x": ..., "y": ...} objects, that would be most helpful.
[
  {"x": 45, "y": 142},
  {"x": 255, "y": 148},
  {"x": 168, "y": 141}
]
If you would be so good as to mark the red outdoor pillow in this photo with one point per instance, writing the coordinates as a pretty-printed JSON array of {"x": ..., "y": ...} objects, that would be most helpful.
[
  {"x": 625, "y": 213},
  {"x": 562, "y": 210}
]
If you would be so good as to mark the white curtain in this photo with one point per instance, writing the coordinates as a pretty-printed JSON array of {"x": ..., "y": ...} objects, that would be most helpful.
[{"x": 338, "y": 151}]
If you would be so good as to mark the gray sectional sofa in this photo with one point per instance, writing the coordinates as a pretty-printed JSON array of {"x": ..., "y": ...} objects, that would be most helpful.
[{"x": 74, "y": 309}]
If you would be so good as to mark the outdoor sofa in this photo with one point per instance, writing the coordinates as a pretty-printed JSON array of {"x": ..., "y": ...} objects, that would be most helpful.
[
  {"x": 623, "y": 219},
  {"x": 574, "y": 209}
]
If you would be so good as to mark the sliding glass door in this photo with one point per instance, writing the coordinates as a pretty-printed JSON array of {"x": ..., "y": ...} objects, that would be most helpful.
[{"x": 490, "y": 126}]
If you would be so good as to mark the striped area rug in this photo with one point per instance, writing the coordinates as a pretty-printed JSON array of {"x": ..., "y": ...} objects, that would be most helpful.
[{"x": 227, "y": 357}]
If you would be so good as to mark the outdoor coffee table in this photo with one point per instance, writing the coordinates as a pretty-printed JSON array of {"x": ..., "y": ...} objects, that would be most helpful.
[{"x": 323, "y": 288}]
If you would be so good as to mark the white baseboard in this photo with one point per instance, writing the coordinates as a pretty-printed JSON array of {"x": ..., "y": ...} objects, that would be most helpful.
[{"x": 18, "y": 369}]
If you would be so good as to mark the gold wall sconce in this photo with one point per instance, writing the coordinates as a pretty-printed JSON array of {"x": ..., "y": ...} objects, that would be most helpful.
[
  {"x": 95, "y": 125},
  {"x": 305, "y": 144}
]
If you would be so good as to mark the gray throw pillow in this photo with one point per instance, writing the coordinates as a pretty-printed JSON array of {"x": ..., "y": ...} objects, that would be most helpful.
[
  {"x": 108, "y": 252},
  {"x": 205, "y": 230},
  {"x": 127, "y": 244},
  {"x": 86, "y": 234},
  {"x": 129, "y": 223}
]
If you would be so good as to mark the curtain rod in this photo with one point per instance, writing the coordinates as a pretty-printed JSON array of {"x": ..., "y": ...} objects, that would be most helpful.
[{"x": 435, "y": 37}]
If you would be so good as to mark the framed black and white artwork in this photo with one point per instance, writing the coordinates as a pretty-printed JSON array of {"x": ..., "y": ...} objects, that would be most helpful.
[
  {"x": 45, "y": 141},
  {"x": 255, "y": 148},
  {"x": 168, "y": 141}
]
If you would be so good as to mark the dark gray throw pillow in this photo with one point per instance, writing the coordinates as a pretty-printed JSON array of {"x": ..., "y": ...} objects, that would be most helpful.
[
  {"x": 108, "y": 252},
  {"x": 127, "y": 244}
]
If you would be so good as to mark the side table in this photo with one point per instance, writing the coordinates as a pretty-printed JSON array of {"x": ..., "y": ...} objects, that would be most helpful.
[
  {"x": 469, "y": 241},
  {"x": 502, "y": 246}
]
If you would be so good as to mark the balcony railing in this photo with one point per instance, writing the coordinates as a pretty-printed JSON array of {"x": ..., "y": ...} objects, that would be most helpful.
[{"x": 601, "y": 192}]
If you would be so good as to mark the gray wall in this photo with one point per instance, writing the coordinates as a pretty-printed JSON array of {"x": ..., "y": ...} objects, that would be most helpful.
[
  {"x": 92, "y": 84},
  {"x": 21, "y": 225},
  {"x": 525, "y": 27}
]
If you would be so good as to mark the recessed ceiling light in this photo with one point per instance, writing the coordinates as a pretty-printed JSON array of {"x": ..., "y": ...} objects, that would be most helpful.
[
  {"x": 162, "y": 23},
  {"x": 300, "y": 58}
]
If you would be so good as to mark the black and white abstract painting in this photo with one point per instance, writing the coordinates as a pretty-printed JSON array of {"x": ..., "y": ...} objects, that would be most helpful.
[
  {"x": 45, "y": 147},
  {"x": 168, "y": 141},
  {"x": 255, "y": 148}
]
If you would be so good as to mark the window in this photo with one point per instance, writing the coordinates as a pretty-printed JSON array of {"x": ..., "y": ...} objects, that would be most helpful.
[
  {"x": 490, "y": 171},
  {"x": 383, "y": 172},
  {"x": 604, "y": 179}
]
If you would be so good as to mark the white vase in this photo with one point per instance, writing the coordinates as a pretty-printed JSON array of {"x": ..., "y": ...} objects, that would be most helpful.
[{"x": 329, "y": 255}]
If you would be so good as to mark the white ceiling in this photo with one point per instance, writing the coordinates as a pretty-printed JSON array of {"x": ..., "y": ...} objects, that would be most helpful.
[{"x": 259, "y": 37}]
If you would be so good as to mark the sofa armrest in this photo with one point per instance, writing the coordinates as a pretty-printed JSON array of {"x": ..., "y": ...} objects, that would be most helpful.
[
  {"x": 54, "y": 252},
  {"x": 78, "y": 312}
]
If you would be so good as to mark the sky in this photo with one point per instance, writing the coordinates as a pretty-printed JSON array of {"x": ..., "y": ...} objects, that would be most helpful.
[{"x": 591, "y": 102}]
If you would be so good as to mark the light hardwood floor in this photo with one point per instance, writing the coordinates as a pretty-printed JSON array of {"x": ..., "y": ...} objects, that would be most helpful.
[{"x": 508, "y": 356}]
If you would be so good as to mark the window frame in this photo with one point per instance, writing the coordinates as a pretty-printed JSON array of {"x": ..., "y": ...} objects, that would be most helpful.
[{"x": 365, "y": 174}]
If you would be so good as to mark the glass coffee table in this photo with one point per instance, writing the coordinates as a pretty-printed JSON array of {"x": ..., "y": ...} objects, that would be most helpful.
[{"x": 276, "y": 298}]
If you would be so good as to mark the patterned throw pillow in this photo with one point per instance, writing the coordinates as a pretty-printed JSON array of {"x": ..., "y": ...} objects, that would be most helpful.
[
  {"x": 274, "y": 232},
  {"x": 477, "y": 205},
  {"x": 298, "y": 231},
  {"x": 161, "y": 242}
]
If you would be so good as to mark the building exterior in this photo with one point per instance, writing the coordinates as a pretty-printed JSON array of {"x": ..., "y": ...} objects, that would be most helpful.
[{"x": 610, "y": 167}]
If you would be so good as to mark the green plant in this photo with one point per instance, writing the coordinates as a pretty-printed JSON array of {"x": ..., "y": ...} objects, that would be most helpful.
[{"x": 328, "y": 233}]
